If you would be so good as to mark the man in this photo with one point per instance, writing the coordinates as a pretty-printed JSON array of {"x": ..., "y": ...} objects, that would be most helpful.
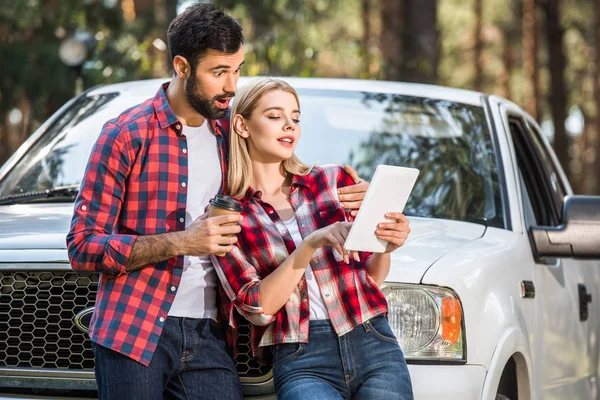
[{"x": 139, "y": 222}]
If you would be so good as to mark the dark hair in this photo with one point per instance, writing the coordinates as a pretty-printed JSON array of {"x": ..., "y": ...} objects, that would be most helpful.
[{"x": 201, "y": 27}]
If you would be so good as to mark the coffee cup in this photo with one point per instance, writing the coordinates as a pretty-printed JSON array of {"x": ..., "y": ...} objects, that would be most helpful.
[{"x": 224, "y": 205}]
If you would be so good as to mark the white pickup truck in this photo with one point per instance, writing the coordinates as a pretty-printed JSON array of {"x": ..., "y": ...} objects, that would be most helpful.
[{"x": 494, "y": 296}]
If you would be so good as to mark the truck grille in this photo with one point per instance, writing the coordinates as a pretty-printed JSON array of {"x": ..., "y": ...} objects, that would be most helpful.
[{"x": 37, "y": 329}]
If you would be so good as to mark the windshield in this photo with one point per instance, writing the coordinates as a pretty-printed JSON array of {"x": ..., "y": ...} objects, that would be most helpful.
[{"x": 448, "y": 142}]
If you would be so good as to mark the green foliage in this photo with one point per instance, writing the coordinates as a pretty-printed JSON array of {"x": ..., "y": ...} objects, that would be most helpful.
[{"x": 283, "y": 37}]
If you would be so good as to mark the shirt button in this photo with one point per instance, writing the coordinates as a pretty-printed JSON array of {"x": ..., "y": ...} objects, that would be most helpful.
[
  {"x": 271, "y": 212},
  {"x": 183, "y": 184},
  {"x": 84, "y": 208},
  {"x": 184, "y": 151},
  {"x": 173, "y": 288},
  {"x": 181, "y": 220},
  {"x": 178, "y": 126},
  {"x": 304, "y": 300},
  {"x": 161, "y": 319},
  {"x": 327, "y": 295}
]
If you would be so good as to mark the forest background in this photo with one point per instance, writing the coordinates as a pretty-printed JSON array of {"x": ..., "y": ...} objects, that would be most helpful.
[{"x": 544, "y": 55}]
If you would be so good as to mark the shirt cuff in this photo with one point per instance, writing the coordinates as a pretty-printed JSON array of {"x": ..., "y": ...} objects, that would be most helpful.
[
  {"x": 117, "y": 251},
  {"x": 249, "y": 305}
]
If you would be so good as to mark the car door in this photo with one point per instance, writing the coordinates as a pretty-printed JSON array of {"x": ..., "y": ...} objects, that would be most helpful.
[
  {"x": 586, "y": 278},
  {"x": 562, "y": 366}
]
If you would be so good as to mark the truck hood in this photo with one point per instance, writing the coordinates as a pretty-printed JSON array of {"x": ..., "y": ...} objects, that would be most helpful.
[
  {"x": 429, "y": 240},
  {"x": 31, "y": 232},
  {"x": 35, "y": 226}
]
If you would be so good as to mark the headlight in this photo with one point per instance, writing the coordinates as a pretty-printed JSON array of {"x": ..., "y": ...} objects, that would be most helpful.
[{"x": 428, "y": 322}]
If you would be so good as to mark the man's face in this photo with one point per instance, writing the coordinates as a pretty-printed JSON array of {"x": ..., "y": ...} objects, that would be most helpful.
[{"x": 213, "y": 83}]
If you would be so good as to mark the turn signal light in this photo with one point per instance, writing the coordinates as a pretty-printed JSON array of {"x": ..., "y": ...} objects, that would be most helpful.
[{"x": 451, "y": 319}]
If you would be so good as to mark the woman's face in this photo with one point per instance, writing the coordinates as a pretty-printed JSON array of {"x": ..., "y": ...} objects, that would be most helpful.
[{"x": 273, "y": 128}]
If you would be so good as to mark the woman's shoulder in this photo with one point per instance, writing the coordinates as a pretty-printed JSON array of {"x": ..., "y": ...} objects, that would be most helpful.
[
  {"x": 333, "y": 174},
  {"x": 328, "y": 171}
]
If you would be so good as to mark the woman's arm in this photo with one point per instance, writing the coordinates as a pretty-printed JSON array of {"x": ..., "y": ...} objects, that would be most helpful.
[
  {"x": 259, "y": 298},
  {"x": 278, "y": 286},
  {"x": 276, "y": 289},
  {"x": 378, "y": 267},
  {"x": 395, "y": 233}
]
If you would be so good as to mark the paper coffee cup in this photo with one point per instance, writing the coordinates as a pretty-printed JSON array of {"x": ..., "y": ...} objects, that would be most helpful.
[{"x": 224, "y": 205}]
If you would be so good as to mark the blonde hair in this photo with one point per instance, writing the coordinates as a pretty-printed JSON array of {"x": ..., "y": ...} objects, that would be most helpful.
[{"x": 239, "y": 174}]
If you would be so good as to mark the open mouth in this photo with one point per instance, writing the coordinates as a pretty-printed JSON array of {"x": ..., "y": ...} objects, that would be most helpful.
[
  {"x": 222, "y": 103},
  {"x": 286, "y": 141}
]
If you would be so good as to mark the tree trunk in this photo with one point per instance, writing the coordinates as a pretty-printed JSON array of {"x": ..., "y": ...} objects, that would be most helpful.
[
  {"x": 530, "y": 57},
  {"x": 421, "y": 43},
  {"x": 391, "y": 38},
  {"x": 366, "y": 38},
  {"x": 508, "y": 64},
  {"x": 478, "y": 46},
  {"x": 558, "y": 91},
  {"x": 410, "y": 40}
]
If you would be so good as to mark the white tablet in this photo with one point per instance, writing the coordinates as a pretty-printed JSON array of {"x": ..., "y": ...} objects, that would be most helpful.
[{"x": 388, "y": 192}]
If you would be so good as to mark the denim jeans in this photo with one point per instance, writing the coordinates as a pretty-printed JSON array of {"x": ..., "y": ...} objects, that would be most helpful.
[
  {"x": 366, "y": 363},
  {"x": 190, "y": 362}
]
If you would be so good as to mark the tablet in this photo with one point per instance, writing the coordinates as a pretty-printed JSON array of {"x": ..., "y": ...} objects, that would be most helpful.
[{"x": 388, "y": 192}]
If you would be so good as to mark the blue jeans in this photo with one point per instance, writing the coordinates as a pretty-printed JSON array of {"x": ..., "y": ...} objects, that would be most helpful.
[
  {"x": 366, "y": 363},
  {"x": 190, "y": 362}
]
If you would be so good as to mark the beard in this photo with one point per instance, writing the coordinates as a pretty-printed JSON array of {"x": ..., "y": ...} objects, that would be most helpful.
[{"x": 203, "y": 105}]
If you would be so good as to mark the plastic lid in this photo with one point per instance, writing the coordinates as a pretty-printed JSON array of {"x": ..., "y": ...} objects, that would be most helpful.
[{"x": 226, "y": 202}]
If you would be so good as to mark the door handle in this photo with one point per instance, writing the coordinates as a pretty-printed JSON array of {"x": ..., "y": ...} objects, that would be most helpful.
[{"x": 584, "y": 299}]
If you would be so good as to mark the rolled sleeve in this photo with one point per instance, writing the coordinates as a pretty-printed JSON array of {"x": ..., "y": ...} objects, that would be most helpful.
[
  {"x": 92, "y": 243},
  {"x": 241, "y": 282},
  {"x": 118, "y": 250},
  {"x": 249, "y": 305}
]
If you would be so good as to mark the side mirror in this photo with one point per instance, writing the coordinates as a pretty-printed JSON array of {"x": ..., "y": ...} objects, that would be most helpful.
[{"x": 579, "y": 234}]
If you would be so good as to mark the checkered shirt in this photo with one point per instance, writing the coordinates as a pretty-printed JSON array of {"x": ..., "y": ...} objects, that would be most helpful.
[
  {"x": 135, "y": 184},
  {"x": 351, "y": 296}
]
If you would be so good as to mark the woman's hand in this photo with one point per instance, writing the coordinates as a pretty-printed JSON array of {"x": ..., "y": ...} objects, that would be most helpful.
[
  {"x": 333, "y": 235},
  {"x": 395, "y": 233}
]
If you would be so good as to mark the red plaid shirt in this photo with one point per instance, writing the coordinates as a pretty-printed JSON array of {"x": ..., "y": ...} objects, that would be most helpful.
[
  {"x": 351, "y": 296},
  {"x": 135, "y": 184}
]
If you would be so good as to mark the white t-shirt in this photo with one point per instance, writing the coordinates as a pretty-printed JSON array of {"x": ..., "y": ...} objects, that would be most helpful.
[
  {"x": 317, "y": 307},
  {"x": 197, "y": 292}
]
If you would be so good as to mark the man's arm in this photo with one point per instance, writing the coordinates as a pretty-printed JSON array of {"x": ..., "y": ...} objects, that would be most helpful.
[
  {"x": 203, "y": 237},
  {"x": 91, "y": 243}
]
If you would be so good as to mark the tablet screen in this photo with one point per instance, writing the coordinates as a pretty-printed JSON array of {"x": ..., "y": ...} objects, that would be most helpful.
[{"x": 388, "y": 192}]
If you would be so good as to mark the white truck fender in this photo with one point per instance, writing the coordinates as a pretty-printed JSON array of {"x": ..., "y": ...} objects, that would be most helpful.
[{"x": 512, "y": 343}]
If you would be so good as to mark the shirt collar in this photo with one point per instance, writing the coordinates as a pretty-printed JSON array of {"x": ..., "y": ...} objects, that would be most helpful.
[
  {"x": 302, "y": 180},
  {"x": 297, "y": 180},
  {"x": 166, "y": 117}
]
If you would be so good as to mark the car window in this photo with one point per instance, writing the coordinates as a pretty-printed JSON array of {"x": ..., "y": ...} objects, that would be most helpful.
[
  {"x": 556, "y": 184},
  {"x": 449, "y": 143},
  {"x": 539, "y": 194},
  {"x": 59, "y": 157},
  {"x": 529, "y": 213}
]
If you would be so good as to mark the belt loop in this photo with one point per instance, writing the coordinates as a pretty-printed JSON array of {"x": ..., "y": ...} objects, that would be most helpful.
[{"x": 367, "y": 325}]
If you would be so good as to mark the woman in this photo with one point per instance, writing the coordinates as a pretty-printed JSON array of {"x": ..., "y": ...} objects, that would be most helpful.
[{"x": 319, "y": 313}]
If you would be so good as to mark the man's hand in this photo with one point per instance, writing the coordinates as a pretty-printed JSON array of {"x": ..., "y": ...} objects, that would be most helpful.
[
  {"x": 352, "y": 197},
  {"x": 204, "y": 236},
  {"x": 395, "y": 233},
  {"x": 214, "y": 235}
]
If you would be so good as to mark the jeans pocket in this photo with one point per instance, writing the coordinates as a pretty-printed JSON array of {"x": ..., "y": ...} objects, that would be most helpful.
[
  {"x": 285, "y": 352},
  {"x": 381, "y": 329}
]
